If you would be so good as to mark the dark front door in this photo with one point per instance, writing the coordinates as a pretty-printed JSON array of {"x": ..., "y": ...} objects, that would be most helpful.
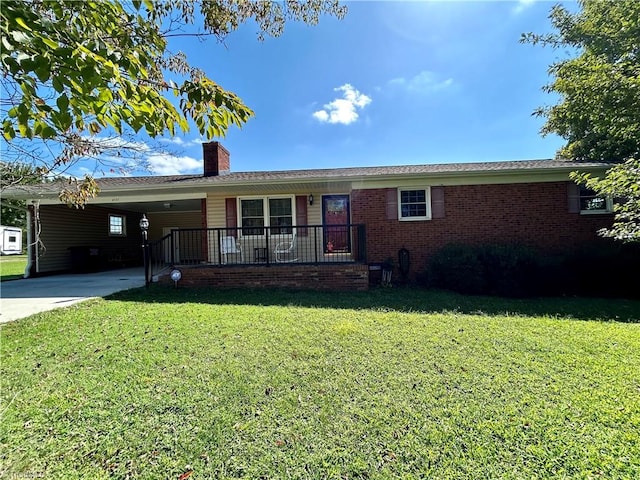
[{"x": 335, "y": 219}]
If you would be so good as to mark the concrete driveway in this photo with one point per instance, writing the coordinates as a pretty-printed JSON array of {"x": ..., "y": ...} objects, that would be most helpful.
[{"x": 24, "y": 297}]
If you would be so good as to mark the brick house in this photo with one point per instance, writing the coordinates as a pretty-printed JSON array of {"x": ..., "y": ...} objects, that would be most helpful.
[{"x": 322, "y": 229}]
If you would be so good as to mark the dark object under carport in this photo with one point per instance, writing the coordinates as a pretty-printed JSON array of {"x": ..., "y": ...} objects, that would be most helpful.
[{"x": 85, "y": 259}]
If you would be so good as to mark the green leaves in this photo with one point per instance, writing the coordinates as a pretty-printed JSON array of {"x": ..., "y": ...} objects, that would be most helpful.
[
  {"x": 599, "y": 109},
  {"x": 622, "y": 184},
  {"x": 67, "y": 58},
  {"x": 76, "y": 68}
]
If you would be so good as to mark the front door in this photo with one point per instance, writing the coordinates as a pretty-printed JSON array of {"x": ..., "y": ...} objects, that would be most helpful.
[{"x": 335, "y": 220}]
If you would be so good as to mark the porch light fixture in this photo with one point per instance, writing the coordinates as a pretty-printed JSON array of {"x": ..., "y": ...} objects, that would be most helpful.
[
  {"x": 311, "y": 199},
  {"x": 144, "y": 226}
]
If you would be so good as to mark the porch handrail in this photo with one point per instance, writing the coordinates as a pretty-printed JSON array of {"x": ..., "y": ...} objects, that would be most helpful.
[
  {"x": 156, "y": 250},
  {"x": 314, "y": 244}
]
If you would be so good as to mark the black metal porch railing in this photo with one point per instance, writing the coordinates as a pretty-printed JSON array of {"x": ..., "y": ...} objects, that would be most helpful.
[{"x": 303, "y": 244}]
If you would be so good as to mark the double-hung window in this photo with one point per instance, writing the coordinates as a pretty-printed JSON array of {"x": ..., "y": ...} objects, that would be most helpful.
[
  {"x": 117, "y": 225},
  {"x": 274, "y": 212},
  {"x": 414, "y": 203},
  {"x": 252, "y": 214},
  {"x": 590, "y": 202},
  {"x": 281, "y": 216}
]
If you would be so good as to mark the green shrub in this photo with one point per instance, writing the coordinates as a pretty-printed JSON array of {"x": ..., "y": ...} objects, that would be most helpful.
[
  {"x": 458, "y": 268},
  {"x": 510, "y": 270},
  {"x": 602, "y": 269}
]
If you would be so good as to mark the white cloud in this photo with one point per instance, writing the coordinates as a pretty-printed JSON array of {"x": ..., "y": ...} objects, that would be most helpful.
[
  {"x": 174, "y": 140},
  {"x": 343, "y": 110},
  {"x": 181, "y": 142},
  {"x": 114, "y": 143},
  {"x": 121, "y": 157},
  {"x": 166, "y": 164},
  {"x": 521, "y": 6},
  {"x": 423, "y": 82}
]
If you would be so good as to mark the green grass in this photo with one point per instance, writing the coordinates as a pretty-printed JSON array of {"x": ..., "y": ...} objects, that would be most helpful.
[
  {"x": 12, "y": 267},
  {"x": 387, "y": 384}
]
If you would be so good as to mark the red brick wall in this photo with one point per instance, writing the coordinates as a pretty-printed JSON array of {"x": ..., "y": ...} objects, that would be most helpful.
[
  {"x": 535, "y": 214},
  {"x": 350, "y": 277}
]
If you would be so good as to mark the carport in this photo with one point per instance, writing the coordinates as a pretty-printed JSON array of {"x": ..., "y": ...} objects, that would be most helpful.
[
  {"x": 25, "y": 297},
  {"x": 105, "y": 234}
]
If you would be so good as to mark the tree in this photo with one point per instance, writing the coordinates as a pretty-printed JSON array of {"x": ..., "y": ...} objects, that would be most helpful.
[
  {"x": 73, "y": 72},
  {"x": 13, "y": 212},
  {"x": 621, "y": 182},
  {"x": 598, "y": 113}
]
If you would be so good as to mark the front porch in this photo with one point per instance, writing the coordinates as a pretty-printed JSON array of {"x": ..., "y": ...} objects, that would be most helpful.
[{"x": 304, "y": 256}]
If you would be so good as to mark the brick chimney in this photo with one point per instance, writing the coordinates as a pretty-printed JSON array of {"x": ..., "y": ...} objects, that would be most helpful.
[{"x": 216, "y": 159}]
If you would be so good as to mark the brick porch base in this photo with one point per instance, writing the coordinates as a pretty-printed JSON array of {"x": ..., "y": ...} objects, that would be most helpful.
[{"x": 351, "y": 277}]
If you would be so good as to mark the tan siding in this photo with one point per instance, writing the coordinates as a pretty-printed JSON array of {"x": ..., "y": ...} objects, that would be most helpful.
[
  {"x": 216, "y": 217},
  {"x": 63, "y": 227},
  {"x": 216, "y": 212},
  {"x": 314, "y": 212},
  {"x": 160, "y": 220}
]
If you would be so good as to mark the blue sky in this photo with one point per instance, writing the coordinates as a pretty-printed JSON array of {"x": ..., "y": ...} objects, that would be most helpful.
[{"x": 392, "y": 83}]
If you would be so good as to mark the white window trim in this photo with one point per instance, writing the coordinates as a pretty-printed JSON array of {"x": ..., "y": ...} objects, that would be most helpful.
[
  {"x": 266, "y": 212},
  {"x": 124, "y": 225},
  {"x": 608, "y": 207},
  {"x": 427, "y": 190}
]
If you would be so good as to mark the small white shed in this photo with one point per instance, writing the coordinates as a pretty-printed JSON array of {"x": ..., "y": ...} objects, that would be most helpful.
[{"x": 11, "y": 239}]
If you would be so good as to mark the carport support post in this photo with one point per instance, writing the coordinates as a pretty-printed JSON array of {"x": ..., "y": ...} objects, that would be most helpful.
[{"x": 144, "y": 226}]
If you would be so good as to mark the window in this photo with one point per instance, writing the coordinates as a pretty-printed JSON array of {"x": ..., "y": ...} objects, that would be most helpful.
[
  {"x": 414, "y": 204},
  {"x": 592, "y": 203},
  {"x": 252, "y": 214},
  {"x": 278, "y": 214},
  {"x": 117, "y": 225}
]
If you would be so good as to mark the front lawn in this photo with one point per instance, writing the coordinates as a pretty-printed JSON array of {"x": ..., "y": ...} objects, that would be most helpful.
[
  {"x": 12, "y": 267},
  {"x": 387, "y": 384}
]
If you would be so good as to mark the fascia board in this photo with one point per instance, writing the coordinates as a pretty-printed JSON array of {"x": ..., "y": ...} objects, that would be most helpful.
[{"x": 470, "y": 178}]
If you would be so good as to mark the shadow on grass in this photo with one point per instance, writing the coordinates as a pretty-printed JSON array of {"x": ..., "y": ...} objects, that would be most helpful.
[
  {"x": 7, "y": 278},
  {"x": 402, "y": 299}
]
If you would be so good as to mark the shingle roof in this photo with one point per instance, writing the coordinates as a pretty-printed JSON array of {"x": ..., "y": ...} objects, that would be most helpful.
[
  {"x": 147, "y": 183},
  {"x": 346, "y": 173}
]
